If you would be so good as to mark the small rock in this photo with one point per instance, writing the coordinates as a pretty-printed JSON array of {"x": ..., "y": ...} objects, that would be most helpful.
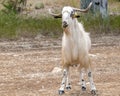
[
  {"x": 92, "y": 55},
  {"x": 56, "y": 70}
]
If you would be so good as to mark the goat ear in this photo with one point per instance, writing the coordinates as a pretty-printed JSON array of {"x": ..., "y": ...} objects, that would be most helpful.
[
  {"x": 59, "y": 16},
  {"x": 77, "y": 16}
]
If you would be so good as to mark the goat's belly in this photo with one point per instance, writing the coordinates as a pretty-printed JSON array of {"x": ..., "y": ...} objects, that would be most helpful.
[{"x": 71, "y": 60}]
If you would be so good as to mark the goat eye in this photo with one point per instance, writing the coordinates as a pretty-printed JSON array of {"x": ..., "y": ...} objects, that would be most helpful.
[{"x": 72, "y": 14}]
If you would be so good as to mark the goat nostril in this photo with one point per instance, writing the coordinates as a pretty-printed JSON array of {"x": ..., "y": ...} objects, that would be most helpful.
[{"x": 64, "y": 24}]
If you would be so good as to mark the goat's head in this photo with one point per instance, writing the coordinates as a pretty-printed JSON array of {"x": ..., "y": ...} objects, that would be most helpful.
[{"x": 68, "y": 14}]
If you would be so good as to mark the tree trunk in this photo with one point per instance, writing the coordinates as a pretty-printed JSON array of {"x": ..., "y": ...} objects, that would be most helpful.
[
  {"x": 84, "y": 4},
  {"x": 98, "y": 7}
]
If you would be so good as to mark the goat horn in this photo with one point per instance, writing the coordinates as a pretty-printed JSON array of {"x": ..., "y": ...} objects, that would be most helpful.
[
  {"x": 55, "y": 15},
  {"x": 84, "y": 10}
]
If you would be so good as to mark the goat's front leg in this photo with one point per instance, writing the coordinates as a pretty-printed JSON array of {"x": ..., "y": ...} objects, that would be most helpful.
[
  {"x": 68, "y": 83},
  {"x": 83, "y": 84},
  {"x": 64, "y": 80}
]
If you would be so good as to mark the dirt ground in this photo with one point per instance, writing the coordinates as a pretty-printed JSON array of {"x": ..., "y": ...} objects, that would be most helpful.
[{"x": 28, "y": 67}]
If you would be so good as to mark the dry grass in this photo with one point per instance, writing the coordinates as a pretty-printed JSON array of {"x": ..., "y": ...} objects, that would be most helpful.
[
  {"x": 56, "y": 3},
  {"x": 114, "y": 6}
]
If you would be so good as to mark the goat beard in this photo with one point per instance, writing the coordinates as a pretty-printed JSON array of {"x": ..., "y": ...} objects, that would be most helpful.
[{"x": 66, "y": 30}]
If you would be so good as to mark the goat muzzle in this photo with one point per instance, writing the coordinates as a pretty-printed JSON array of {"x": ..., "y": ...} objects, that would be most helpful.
[{"x": 64, "y": 24}]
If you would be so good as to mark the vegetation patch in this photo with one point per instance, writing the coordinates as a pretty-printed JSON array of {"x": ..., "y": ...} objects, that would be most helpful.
[
  {"x": 97, "y": 25},
  {"x": 39, "y": 5},
  {"x": 13, "y": 26}
]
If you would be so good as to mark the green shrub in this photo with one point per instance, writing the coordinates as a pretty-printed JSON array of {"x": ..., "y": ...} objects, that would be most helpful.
[
  {"x": 97, "y": 25},
  {"x": 39, "y": 6},
  {"x": 12, "y": 26}
]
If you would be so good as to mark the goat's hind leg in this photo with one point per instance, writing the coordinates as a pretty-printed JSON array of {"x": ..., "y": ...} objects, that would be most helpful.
[
  {"x": 92, "y": 85},
  {"x": 90, "y": 77}
]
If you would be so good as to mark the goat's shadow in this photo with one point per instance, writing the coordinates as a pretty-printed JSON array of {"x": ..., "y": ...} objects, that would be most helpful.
[{"x": 80, "y": 93}]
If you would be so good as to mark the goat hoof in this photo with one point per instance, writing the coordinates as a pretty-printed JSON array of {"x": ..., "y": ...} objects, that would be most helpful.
[
  {"x": 61, "y": 92},
  {"x": 93, "y": 92},
  {"x": 83, "y": 88},
  {"x": 68, "y": 87}
]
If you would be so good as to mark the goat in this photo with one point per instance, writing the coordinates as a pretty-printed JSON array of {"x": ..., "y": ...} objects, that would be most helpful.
[{"x": 76, "y": 44}]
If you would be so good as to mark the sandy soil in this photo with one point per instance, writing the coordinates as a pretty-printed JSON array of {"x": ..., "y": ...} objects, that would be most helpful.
[{"x": 27, "y": 67}]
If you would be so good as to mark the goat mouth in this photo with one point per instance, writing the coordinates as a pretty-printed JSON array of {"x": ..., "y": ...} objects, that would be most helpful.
[{"x": 65, "y": 26}]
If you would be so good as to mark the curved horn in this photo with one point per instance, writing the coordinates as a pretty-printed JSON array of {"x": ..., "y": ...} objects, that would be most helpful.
[
  {"x": 83, "y": 10},
  {"x": 55, "y": 15}
]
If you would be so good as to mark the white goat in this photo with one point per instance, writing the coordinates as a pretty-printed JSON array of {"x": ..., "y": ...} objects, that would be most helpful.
[{"x": 75, "y": 47}]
